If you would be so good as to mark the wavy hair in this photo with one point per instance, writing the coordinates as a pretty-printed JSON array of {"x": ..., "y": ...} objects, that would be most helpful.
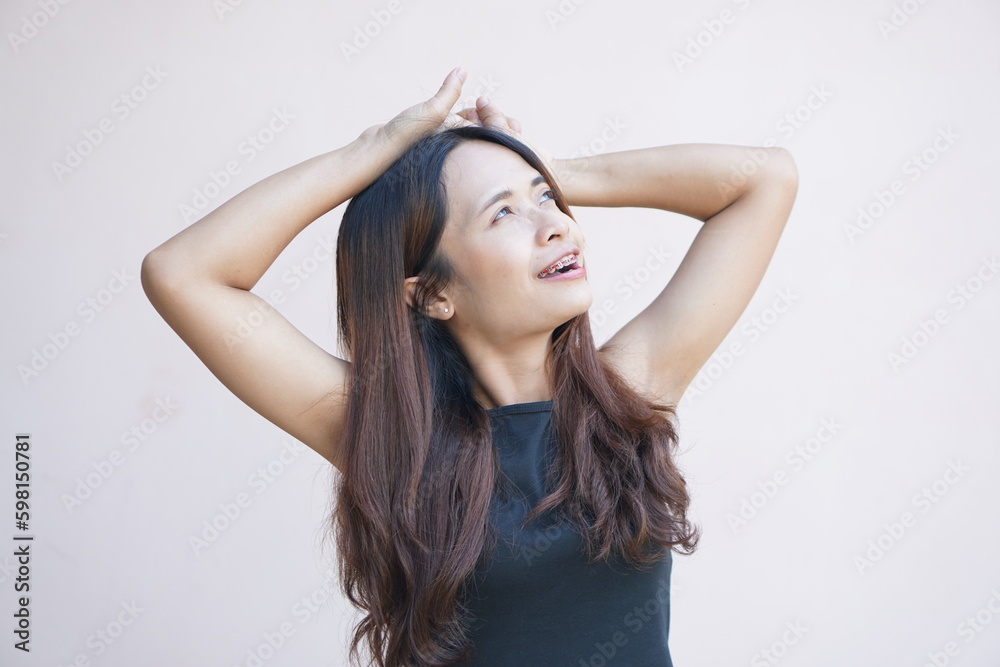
[{"x": 411, "y": 519}]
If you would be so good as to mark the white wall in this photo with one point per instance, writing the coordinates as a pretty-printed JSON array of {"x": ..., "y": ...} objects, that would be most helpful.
[{"x": 866, "y": 103}]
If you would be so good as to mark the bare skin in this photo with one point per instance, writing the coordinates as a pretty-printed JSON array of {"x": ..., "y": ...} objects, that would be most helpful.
[{"x": 500, "y": 312}]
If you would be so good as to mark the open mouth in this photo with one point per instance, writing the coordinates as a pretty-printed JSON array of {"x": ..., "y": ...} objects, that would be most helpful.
[{"x": 564, "y": 265}]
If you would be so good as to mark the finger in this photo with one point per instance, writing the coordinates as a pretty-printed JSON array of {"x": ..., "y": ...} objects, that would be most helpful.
[
  {"x": 490, "y": 114},
  {"x": 515, "y": 124},
  {"x": 451, "y": 88},
  {"x": 468, "y": 114},
  {"x": 461, "y": 121}
]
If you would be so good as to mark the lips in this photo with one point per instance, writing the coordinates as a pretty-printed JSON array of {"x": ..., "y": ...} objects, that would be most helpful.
[{"x": 566, "y": 260}]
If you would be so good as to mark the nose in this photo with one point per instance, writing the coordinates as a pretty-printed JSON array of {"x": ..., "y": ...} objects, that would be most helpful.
[{"x": 552, "y": 224}]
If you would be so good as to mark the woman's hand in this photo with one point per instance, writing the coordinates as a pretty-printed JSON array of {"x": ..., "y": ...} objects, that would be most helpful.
[
  {"x": 487, "y": 114},
  {"x": 422, "y": 119}
]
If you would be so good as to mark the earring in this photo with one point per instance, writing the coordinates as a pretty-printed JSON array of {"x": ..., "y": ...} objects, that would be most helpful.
[{"x": 446, "y": 310}]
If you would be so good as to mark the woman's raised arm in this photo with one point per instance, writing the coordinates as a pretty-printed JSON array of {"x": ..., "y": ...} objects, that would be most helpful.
[
  {"x": 743, "y": 195},
  {"x": 200, "y": 279}
]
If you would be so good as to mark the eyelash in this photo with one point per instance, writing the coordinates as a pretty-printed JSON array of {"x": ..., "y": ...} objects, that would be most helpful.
[{"x": 547, "y": 192}]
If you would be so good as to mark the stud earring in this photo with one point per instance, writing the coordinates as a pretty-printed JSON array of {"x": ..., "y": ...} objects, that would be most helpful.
[{"x": 446, "y": 310}]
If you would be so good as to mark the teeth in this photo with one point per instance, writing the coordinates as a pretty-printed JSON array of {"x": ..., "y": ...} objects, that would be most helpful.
[{"x": 565, "y": 261}]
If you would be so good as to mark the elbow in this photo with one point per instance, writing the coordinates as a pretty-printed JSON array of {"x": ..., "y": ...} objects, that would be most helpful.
[
  {"x": 149, "y": 275},
  {"x": 782, "y": 170},
  {"x": 155, "y": 274}
]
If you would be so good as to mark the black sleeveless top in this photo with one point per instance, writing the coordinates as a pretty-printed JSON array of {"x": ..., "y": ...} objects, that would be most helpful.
[{"x": 538, "y": 601}]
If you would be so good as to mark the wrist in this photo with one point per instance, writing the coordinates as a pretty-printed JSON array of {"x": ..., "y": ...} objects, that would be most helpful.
[
  {"x": 572, "y": 176},
  {"x": 370, "y": 155}
]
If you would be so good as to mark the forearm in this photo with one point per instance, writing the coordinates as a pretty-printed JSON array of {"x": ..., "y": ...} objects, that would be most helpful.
[
  {"x": 698, "y": 180},
  {"x": 236, "y": 243}
]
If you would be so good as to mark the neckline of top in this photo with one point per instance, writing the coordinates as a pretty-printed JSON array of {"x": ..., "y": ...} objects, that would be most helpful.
[{"x": 520, "y": 408}]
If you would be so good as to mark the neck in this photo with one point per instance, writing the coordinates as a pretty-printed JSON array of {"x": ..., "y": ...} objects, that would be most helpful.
[{"x": 512, "y": 372}]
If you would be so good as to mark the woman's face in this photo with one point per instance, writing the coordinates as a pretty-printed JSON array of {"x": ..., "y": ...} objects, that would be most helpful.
[{"x": 498, "y": 247}]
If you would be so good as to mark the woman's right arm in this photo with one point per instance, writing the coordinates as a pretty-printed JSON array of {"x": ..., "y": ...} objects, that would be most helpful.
[{"x": 199, "y": 280}]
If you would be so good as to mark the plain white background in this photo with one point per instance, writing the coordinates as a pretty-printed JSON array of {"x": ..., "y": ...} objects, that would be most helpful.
[{"x": 870, "y": 547}]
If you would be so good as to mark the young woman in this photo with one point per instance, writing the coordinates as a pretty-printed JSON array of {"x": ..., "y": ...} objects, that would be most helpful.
[{"x": 506, "y": 492}]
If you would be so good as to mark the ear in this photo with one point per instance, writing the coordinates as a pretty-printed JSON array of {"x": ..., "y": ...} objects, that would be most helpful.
[{"x": 441, "y": 308}]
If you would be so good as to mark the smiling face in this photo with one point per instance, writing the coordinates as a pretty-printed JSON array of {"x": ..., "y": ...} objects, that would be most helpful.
[{"x": 503, "y": 229}]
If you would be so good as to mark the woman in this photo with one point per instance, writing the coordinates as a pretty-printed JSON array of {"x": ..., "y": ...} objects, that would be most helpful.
[{"x": 507, "y": 493}]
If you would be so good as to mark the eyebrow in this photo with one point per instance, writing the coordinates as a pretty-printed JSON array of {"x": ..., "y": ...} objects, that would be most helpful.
[{"x": 504, "y": 194}]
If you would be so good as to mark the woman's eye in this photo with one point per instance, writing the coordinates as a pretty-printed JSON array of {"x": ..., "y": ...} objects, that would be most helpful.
[{"x": 552, "y": 194}]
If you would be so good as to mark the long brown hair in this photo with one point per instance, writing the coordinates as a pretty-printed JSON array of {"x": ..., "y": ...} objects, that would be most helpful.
[{"x": 412, "y": 514}]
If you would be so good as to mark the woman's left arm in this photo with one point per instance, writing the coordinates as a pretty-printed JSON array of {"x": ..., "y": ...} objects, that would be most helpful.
[{"x": 742, "y": 195}]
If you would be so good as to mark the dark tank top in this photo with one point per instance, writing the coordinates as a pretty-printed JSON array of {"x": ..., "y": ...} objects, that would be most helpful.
[{"x": 538, "y": 601}]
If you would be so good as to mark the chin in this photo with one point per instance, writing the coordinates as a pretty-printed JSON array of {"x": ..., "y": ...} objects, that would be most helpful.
[{"x": 578, "y": 306}]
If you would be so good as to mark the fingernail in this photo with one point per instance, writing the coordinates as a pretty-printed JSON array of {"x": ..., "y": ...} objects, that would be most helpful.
[
  {"x": 461, "y": 73},
  {"x": 484, "y": 101}
]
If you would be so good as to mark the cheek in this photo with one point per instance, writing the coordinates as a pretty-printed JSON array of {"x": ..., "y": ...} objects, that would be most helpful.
[{"x": 495, "y": 271}]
